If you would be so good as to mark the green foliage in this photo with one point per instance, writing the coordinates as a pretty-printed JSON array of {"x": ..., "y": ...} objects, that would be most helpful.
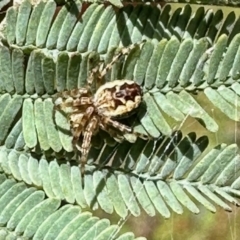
[{"x": 178, "y": 54}]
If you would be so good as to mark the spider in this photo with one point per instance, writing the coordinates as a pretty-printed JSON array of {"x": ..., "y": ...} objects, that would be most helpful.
[{"x": 91, "y": 111}]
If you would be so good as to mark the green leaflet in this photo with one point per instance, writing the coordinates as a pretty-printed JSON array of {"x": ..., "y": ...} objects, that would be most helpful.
[
  {"x": 44, "y": 23},
  {"x": 127, "y": 195},
  {"x": 24, "y": 12},
  {"x": 6, "y": 70}
]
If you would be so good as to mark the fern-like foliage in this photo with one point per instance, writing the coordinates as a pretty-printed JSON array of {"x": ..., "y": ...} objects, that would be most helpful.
[
  {"x": 160, "y": 179},
  {"x": 27, "y": 211},
  {"x": 45, "y": 49}
]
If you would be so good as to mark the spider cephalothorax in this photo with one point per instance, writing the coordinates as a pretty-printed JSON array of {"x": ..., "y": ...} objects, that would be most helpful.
[{"x": 91, "y": 111}]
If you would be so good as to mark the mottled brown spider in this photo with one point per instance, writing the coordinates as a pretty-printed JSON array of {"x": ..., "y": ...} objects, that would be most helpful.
[{"x": 89, "y": 111}]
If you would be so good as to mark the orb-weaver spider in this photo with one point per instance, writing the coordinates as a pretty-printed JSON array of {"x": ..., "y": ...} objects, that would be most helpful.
[{"x": 91, "y": 111}]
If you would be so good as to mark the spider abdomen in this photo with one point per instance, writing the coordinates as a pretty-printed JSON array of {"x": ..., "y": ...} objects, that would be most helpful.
[{"x": 118, "y": 98}]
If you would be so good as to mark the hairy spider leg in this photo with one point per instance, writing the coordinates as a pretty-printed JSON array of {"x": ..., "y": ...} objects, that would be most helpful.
[
  {"x": 77, "y": 126},
  {"x": 87, "y": 136},
  {"x": 92, "y": 76},
  {"x": 78, "y": 122},
  {"x": 95, "y": 76},
  {"x": 123, "y": 52},
  {"x": 73, "y": 102},
  {"x": 100, "y": 71},
  {"x": 65, "y": 98},
  {"x": 82, "y": 101},
  {"x": 74, "y": 93},
  {"x": 117, "y": 125},
  {"x": 112, "y": 132}
]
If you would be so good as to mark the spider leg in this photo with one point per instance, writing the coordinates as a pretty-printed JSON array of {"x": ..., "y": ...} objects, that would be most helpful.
[
  {"x": 113, "y": 133},
  {"x": 76, "y": 127},
  {"x": 66, "y": 98},
  {"x": 74, "y": 103},
  {"x": 93, "y": 73},
  {"x": 100, "y": 71},
  {"x": 117, "y": 125},
  {"x": 78, "y": 121},
  {"x": 124, "y": 51},
  {"x": 74, "y": 93},
  {"x": 82, "y": 101},
  {"x": 86, "y": 144},
  {"x": 95, "y": 76},
  {"x": 79, "y": 125}
]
